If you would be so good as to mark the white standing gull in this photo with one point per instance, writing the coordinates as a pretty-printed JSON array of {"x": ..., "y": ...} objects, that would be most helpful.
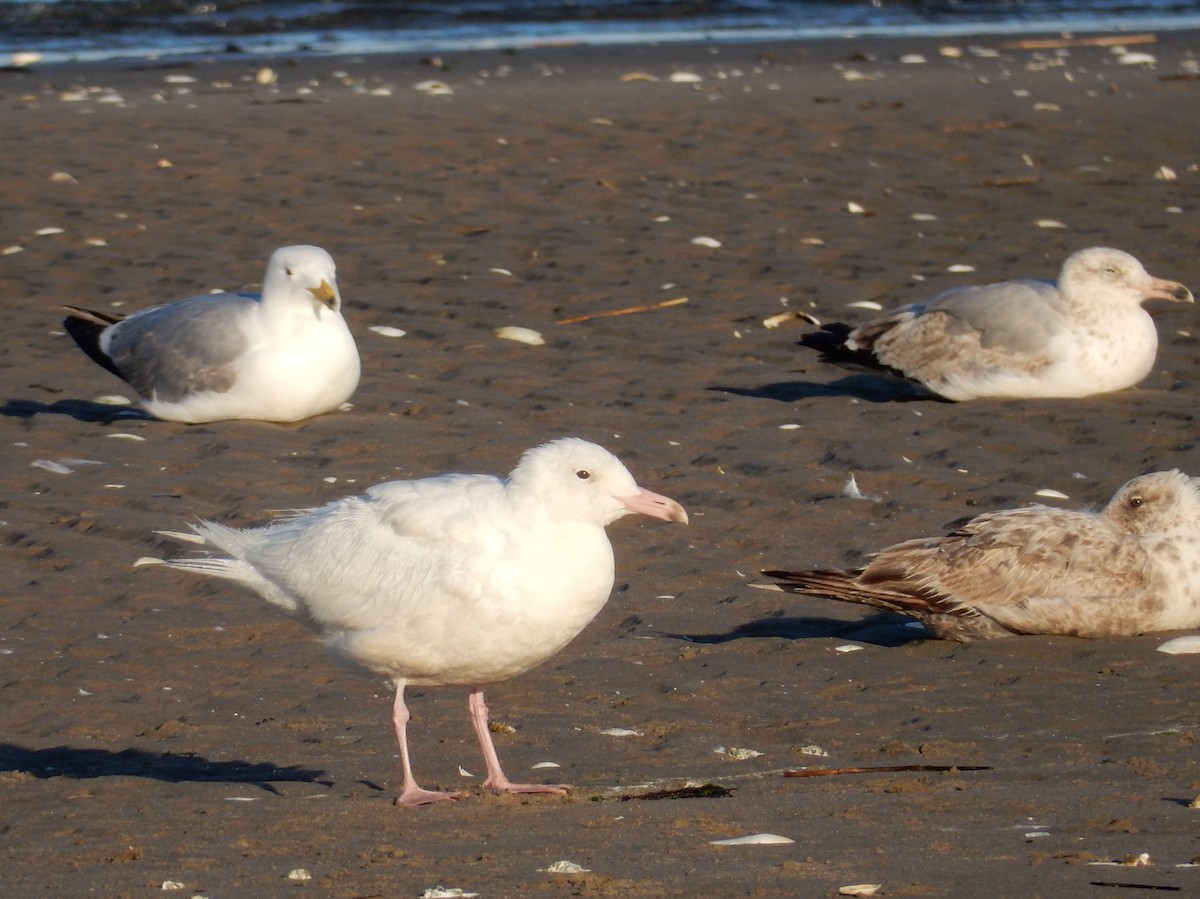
[
  {"x": 1131, "y": 568},
  {"x": 282, "y": 356},
  {"x": 1085, "y": 334},
  {"x": 458, "y": 579}
]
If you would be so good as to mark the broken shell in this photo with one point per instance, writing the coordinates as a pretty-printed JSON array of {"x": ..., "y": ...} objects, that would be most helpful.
[
  {"x": 1050, "y": 223},
  {"x": 266, "y": 76},
  {"x": 859, "y": 889},
  {"x": 1165, "y": 173},
  {"x": 865, "y": 304},
  {"x": 46, "y": 232},
  {"x": 855, "y": 208},
  {"x": 441, "y": 892},
  {"x": 1181, "y": 645},
  {"x": 620, "y": 732},
  {"x": 298, "y": 874},
  {"x": 433, "y": 88},
  {"x": 710, "y": 242},
  {"x": 63, "y": 178},
  {"x": 774, "y": 321},
  {"x": 686, "y": 77},
  {"x": 565, "y": 867},
  {"x": 1137, "y": 59},
  {"x": 754, "y": 839},
  {"x": 737, "y": 753},
  {"x": 638, "y": 76},
  {"x": 1051, "y": 494},
  {"x": 520, "y": 335},
  {"x": 386, "y": 331},
  {"x": 960, "y": 268}
]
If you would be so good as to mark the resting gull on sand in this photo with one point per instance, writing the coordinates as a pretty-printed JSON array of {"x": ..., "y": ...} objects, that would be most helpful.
[
  {"x": 459, "y": 579},
  {"x": 1084, "y": 334},
  {"x": 281, "y": 356},
  {"x": 1131, "y": 568}
]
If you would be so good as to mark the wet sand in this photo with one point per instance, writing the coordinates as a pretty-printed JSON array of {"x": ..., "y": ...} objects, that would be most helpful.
[{"x": 158, "y": 727}]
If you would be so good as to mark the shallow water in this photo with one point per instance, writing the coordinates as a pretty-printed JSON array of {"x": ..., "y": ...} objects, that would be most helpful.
[{"x": 98, "y": 29}]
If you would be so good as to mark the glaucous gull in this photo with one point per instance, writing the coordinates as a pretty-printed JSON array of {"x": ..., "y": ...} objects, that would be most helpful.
[{"x": 452, "y": 580}]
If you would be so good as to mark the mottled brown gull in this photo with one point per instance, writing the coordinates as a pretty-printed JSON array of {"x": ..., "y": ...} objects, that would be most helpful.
[
  {"x": 1131, "y": 568},
  {"x": 282, "y": 356},
  {"x": 1085, "y": 334},
  {"x": 459, "y": 579}
]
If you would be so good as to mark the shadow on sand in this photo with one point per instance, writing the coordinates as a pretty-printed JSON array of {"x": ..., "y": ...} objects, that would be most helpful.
[{"x": 69, "y": 761}]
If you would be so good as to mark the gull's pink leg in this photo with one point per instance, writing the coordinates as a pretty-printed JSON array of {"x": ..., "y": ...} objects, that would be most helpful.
[
  {"x": 410, "y": 793},
  {"x": 496, "y": 781}
]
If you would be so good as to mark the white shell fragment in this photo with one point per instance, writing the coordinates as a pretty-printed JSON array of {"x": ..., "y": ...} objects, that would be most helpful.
[
  {"x": 774, "y": 321},
  {"x": 441, "y": 892},
  {"x": 860, "y": 889},
  {"x": 173, "y": 885},
  {"x": 855, "y": 208},
  {"x": 1051, "y": 494},
  {"x": 848, "y": 647},
  {"x": 738, "y": 753},
  {"x": 710, "y": 242},
  {"x": 299, "y": 874},
  {"x": 433, "y": 88},
  {"x": 813, "y": 748},
  {"x": 620, "y": 732},
  {"x": 1166, "y": 173},
  {"x": 1137, "y": 59},
  {"x": 754, "y": 839},
  {"x": 1181, "y": 645},
  {"x": 960, "y": 267},
  {"x": 565, "y": 867},
  {"x": 265, "y": 76},
  {"x": 865, "y": 304},
  {"x": 686, "y": 77},
  {"x": 1050, "y": 223},
  {"x": 386, "y": 331},
  {"x": 545, "y": 765},
  {"x": 520, "y": 335},
  {"x": 46, "y": 232},
  {"x": 113, "y": 399}
]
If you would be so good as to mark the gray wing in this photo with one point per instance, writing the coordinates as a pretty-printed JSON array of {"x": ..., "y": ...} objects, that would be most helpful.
[
  {"x": 171, "y": 351},
  {"x": 1012, "y": 316}
]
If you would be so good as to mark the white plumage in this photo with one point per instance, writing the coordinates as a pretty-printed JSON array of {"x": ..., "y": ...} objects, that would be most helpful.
[
  {"x": 458, "y": 579},
  {"x": 282, "y": 356}
]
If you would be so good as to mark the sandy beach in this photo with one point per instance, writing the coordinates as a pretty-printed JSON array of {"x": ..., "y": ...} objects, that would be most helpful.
[{"x": 160, "y": 729}]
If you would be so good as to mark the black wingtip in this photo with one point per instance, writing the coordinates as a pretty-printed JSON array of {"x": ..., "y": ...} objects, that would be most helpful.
[{"x": 85, "y": 328}]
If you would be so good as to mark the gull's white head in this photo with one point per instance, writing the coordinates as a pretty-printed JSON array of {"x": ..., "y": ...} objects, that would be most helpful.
[
  {"x": 1105, "y": 274},
  {"x": 1155, "y": 502},
  {"x": 303, "y": 273},
  {"x": 580, "y": 481}
]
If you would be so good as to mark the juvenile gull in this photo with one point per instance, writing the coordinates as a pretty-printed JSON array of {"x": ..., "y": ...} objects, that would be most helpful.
[
  {"x": 1130, "y": 568},
  {"x": 281, "y": 356},
  {"x": 1084, "y": 334},
  {"x": 458, "y": 579}
]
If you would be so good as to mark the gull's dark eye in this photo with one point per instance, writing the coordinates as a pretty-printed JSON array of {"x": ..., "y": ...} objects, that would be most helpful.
[
  {"x": 1136, "y": 502},
  {"x": 289, "y": 272},
  {"x": 583, "y": 474}
]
